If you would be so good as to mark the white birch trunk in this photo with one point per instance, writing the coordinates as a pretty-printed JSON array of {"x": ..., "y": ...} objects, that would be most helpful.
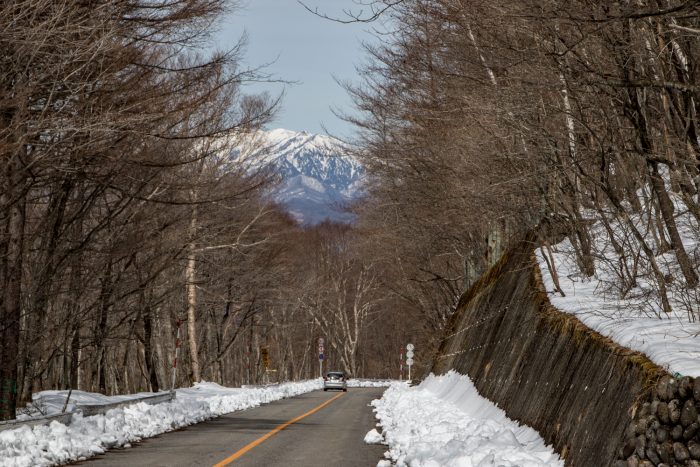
[{"x": 190, "y": 279}]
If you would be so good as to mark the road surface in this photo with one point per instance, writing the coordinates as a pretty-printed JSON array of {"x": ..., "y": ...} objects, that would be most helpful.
[{"x": 331, "y": 433}]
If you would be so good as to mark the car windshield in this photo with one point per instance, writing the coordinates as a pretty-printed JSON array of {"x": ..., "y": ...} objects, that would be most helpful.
[{"x": 336, "y": 375}]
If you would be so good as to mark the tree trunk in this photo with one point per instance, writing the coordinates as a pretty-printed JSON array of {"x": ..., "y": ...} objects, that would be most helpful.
[
  {"x": 190, "y": 279},
  {"x": 35, "y": 343},
  {"x": 11, "y": 292},
  {"x": 75, "y": 357},
  {"x": 657, "y": 182},
  {"x": 549, "y": 259},
  {"x": 660, "y": 280},
  {"x": 12, "y": 311},
  {"x": 666, "y": 207},
  {"x": 101, "y": 330},
  {"x": 148, "y": 349}
]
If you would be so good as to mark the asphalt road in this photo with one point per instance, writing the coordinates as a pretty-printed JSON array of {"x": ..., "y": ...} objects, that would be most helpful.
[{"x": 331, "y": 436}]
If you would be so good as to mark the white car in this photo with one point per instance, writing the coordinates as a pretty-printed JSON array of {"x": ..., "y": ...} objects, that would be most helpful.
[{"x": 335, "y": 380}]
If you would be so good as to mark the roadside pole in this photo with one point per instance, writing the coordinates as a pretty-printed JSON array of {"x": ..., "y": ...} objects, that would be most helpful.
[
  {"x": 409, "y": 358},
  {"x": 401, "y": 365}
]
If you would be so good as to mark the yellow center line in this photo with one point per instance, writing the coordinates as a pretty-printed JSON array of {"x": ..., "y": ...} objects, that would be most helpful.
[{"x": 276, "y": 430}]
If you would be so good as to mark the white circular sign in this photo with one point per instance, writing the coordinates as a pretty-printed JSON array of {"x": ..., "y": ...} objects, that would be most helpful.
[
  {"x": 409, "y": 362},
  {"x": 409, "y": 354},
  {"x": 410, "y": 347},
  {"x": 320, "y": 341}
]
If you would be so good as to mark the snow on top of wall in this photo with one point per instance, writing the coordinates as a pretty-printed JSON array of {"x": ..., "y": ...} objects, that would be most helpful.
[{"x": 670, "y": 341}]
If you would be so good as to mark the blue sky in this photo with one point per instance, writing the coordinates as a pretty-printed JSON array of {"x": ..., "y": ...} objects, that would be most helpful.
[{"x": 304, "y": 48}]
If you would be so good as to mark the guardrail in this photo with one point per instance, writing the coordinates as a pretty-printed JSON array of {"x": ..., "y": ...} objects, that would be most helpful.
[
  {"x": 96, "y": 409},
  {"x": 64, "y": 418},
  {"x": 87, "y": 410}
]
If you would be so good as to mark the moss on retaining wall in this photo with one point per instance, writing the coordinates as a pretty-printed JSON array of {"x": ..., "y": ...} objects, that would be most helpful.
[{"x": 544, "y": 367}]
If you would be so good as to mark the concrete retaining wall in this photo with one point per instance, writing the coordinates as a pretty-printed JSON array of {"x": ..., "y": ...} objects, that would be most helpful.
[{"x": 580, "y": 390}]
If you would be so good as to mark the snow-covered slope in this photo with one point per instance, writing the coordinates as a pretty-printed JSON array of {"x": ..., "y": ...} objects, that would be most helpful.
[
  {"x": 318, "y": 177},
  {"x": 636, "y": 320}
]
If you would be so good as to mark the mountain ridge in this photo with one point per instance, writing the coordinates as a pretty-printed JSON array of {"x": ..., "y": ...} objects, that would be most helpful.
[{"x": 318, "y": 176}]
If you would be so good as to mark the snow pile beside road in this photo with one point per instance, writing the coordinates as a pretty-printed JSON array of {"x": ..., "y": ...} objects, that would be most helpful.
[
  {"x": 370, "y": 383},
  {"x": 223, "y": 400},
  {"x": 445, "y": 422},
  {"x": 373, "y": 437},
  {"x": 57, "y": 444}
]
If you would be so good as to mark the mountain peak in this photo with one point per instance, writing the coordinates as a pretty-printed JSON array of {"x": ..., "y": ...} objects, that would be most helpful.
[{"x": 319, "y": 176}]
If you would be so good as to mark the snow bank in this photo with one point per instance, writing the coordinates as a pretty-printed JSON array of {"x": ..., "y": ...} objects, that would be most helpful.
[
  {"x": 445, "y": 422},
  {"x": 671, "y": 341},
  {"x": 370, "y": 383},
  {"x": 56, "y": 444}
]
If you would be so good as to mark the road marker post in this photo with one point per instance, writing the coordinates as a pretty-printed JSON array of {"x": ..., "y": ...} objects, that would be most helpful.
[{"x": 409, "y": 358}]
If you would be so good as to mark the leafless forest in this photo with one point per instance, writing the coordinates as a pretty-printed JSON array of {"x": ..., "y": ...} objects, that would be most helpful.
[
  {"x": 485, "y": 121},
  {"x": 121, "y": 222}
]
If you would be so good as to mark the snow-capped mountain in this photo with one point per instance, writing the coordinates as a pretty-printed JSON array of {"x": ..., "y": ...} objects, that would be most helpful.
[{"x": 318, "y": 177}]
